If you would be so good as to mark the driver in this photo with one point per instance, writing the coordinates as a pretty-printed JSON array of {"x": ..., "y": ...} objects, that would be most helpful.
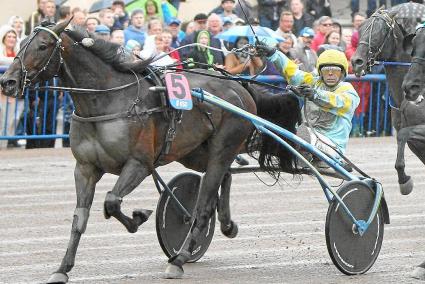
[{"x": 330, "y": 101}]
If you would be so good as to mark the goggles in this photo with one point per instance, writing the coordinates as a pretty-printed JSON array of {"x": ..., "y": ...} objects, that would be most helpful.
[{"x": 331, "y": 69}]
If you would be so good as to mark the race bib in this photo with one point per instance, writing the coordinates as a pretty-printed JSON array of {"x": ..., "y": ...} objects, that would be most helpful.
[{"x": 178, "y": 91}]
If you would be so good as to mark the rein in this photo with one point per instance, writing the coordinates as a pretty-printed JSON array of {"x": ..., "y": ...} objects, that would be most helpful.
[
  {"x": 131, "y": 111},
  {"x": 93, "y": 91}
]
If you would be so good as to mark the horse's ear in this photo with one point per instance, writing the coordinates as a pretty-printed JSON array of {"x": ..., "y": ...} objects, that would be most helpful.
[
  {"x": 407, "y": 43},
  {"x": 59, "y": 28}
]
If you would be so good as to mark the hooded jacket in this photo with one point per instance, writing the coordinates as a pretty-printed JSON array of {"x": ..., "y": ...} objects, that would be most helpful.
[{"x": 201, "y": 54}]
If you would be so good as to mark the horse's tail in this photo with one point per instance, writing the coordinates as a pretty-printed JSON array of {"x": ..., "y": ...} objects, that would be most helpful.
[{"x": 283, "y": 110}]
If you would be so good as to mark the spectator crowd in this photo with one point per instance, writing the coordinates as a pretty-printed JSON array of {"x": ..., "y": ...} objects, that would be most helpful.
[{"x": 152, "y": 29}]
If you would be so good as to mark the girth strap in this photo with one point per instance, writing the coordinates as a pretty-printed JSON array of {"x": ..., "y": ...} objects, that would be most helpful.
[
  {"x": 99, "y": 118},
  {"x": 107, "y": 117}
]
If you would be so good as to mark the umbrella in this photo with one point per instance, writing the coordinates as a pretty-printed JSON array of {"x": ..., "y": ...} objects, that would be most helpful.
[
  {"x": 103, "y": 4},
  {"x": 264, "y": 34},
  {"x": 409, "y": 15},
  {"x": 409, "y": 10}
]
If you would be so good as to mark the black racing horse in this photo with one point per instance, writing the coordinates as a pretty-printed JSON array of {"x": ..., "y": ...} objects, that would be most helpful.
[
  {"x": 413, "y": 118},
  {"x": 381, "y": 38},
  {"x": 120, "y": 126},
  {"x": 385, "y": 37}
]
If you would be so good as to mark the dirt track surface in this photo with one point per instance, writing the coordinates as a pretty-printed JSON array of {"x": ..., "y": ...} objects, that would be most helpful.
[{"x": 281, "y": 229}]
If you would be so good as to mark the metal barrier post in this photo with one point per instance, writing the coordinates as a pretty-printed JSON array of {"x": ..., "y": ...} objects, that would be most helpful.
[
  {"x": 386, "y": 110},
  {"x": 378, "y": 109}
]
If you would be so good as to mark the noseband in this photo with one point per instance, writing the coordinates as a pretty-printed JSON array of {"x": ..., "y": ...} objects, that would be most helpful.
[
  {"x": 372, "y": 54},
  {"x": 21, "y": 55}
]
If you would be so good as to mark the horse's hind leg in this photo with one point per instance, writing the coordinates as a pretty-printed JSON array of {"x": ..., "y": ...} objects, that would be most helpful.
[
  {"x": 86, "y": 177},
  {"x": 228, "y": 227},
  {"x": 223, "y": 148},
  {"x": 419, "y": 272},
  {"x": 132, "y": 174},
  {"x": 405, "y": 181},
  {"x": 205, "y": 207}
]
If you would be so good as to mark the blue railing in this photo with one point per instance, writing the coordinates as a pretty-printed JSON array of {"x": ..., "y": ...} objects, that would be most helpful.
[
  {"x": 36, "y": 116},
  {"x": 375, "y": 118}
]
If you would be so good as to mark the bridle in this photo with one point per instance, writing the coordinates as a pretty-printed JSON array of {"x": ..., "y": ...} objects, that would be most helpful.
[
  {"x": 21, "y": 55},
  {"x": 372, "y": 53}
]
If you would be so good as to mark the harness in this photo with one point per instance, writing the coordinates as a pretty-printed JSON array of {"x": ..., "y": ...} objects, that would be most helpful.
[{"x": 134, "y": 110}]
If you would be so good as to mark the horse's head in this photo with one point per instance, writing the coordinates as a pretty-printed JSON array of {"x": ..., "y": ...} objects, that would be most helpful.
[
  {"x": 39, "y": 59},
  {"x": 413, "y": 81},
  {"x": 376, "y": 39}
]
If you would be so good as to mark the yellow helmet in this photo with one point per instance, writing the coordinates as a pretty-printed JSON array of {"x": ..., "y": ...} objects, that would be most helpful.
[{"x": 332, "y": 57}]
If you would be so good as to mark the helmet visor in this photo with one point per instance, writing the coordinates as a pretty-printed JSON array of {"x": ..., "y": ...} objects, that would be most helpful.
[{"x": 335, "y": 70}]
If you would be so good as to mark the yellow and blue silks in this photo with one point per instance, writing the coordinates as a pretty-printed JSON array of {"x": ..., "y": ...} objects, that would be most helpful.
[{"x": 331, "y": 109}]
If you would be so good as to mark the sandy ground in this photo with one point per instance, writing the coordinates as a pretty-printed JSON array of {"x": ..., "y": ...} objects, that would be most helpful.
[{"x": 281, "y": 229}]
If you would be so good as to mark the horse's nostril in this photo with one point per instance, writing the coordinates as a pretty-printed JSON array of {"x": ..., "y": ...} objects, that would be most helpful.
[
  {"x": 358, "y": 62},
  {"x": 411, "y": 87},
  {"x": 414, "y": 88},
  {"x": 8, "y": 83}
]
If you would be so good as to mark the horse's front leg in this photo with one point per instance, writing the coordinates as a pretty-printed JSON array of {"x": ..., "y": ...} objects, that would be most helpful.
[
  {"x": 86, "y": 177},
  {"x": 405, "y": 181},
  {"x": 132, "y": 174},
  {"x": 227, "y": 226}
]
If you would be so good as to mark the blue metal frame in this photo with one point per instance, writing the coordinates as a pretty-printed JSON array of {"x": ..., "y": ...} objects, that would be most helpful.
[{"x": 271, "y": 130}]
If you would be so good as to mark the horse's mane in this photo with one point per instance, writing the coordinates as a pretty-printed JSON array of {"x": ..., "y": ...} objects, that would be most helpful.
[{"x": 110, "y": 53}]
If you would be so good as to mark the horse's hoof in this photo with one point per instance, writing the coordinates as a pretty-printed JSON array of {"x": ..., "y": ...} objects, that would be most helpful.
[
  {"x": 230, "y": 230},
  {"x": 173, "y": 272},
  {"x": 141, "y": 215},
  {"x": 419, "y": 273},
  {"x": 407, "y": 187},
  {"x": 58, "y": 277}
]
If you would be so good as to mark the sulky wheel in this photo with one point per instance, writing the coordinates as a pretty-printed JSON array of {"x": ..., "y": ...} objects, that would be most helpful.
[
  {"x": 350, "y": 252},
  {"x": 172, "y": 226}
]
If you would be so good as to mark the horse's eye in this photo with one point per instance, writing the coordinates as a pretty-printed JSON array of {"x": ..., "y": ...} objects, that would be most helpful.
[{"x": 43, "y": 47}]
